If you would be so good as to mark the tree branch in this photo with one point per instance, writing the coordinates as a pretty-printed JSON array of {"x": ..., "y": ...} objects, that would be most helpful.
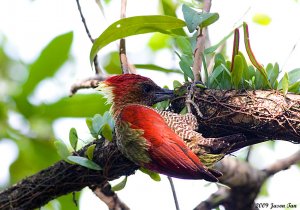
[
  {"x": 200, "y": 45},
  {"x": 63, "y": 178},
  {"x": 240, "y": 117},
  {"x": 259, "y": 115},
  {"x": 91, "y": 82},
  {"x": 96, "y": 64},
  {"x": 109, "y": 197},
  {"x": 122, "y": 49},
  {"x": 244, "y": 181}
]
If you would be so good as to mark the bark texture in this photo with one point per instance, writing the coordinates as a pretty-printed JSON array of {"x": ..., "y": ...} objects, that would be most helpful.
[
  {"x": 63, "y": 178},
  {"x": 259, "y": 115}
]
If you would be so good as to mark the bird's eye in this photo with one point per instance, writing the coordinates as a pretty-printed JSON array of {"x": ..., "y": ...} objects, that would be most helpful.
[{"x": 147, "y": 88}]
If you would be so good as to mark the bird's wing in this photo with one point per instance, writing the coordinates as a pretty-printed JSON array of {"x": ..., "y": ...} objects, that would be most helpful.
[{"x": 168, "y": 152}]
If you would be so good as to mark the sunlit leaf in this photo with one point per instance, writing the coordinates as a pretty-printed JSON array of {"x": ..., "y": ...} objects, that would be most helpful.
[
  {"x": 261, "y": 19},
  {"x": 107, "y": 132},
  {"x": 285, "y": 83},
  {"x": 73, "y": 138},
  {"x": 295, "y": 87},
  {"x": 159, "y": 41},
  {"x": 53, "y": 56},
  {"x": 133, "y": 26},
  {"x": 90, "y": 151},
  {"x": 237, "y": 71},
  {"x": 62, "y": 149},
  {"x": 79, "y": 105},
  {"x": 84, "y": 162},
  {"x": 120, "y": 185},
  {"x": 153, "y": 175},
  {"x": 194, "y": 19},
  {"x": 176, "y": 84}
]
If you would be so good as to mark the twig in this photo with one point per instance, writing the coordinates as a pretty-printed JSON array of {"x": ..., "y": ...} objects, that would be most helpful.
[
  {"x": 174, "y": 193},
  {"x": 248, "y": 153},
  {"x": 91, "y": 82},
  {"x": 283, "y": 164},
  {"x": 96, "y": 64},
  {"x": 200, "y": 45},
  {"x": 109, "y": 197},
  {"x": 122, "y": 49}
]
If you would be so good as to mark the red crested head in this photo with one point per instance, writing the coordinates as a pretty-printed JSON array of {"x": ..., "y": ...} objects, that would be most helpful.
[{"x": 126, "y": 89}]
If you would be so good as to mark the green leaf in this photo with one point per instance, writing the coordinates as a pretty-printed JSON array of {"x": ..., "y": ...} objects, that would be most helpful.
[
  {"x": 261, "y": 19},
  {"x": 194, "y": 19},
  {"x": 159, "y": 41},
  {"x": 285, "y": 83},
  {"x": 246, "y": 73},
  {"x": 237, "y": 71},
  {"x": 109, "y": 119},
  {"x": 133, "y": 26},
  {"x": 89, "y": 123},
  {"x": 84, "y": 162},
  {"x": 120, "y": 185},
  {"x": 251, "y": 55},
  {"x": 184, "y": 44},
  {"x": 295, "y": 87},
  {"x": 90, "y": 151},
  {"x": 111, "y": 63},
  {"x": 73, "y": 138},
  {"x": 176, "y": 84},
  {"x": 153, "y": 175},
  {"x": 186, "y": 69},
  {"x": 79, "y": 105},
  {"x": 53, "y": 56},
  {"x": 214, "y": 75},
  {"x": 107, "y": 132},
  {"x": 97, "y": 123},
  {"x": 157, "y": 68},
  {"x": 294, "y": 75},
  {"x": 61, "y": 149},
  {"x": 273, "y": 72}
]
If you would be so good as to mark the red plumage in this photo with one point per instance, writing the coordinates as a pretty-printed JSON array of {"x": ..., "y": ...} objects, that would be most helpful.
[{"x": 168, "y": 152}]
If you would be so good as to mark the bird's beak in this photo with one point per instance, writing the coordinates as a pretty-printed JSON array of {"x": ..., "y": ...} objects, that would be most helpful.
[{"x": 163, "y": 94}]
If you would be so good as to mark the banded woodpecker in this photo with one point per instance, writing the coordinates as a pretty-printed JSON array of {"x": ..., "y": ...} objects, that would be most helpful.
[{"x": 144, "y": 135}]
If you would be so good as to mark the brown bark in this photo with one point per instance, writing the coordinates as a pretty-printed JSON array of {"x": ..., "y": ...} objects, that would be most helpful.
[
  {"x": 259, "y": 115},
  {"x": 63, "y": 178}
]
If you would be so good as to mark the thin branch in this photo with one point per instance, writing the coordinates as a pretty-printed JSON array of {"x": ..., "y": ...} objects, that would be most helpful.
[
  {"x": 200, "y": 45},
  {"x": 91, "y": 82},
  {"x": 109, "y": 197},
  {"x": 96, "y": 64},
  {"x": 122, "y": 49},
  {"x": 174, "y": 193},
  {"x": 283, "y": 164},
  {"x": 244, "y": 181}
]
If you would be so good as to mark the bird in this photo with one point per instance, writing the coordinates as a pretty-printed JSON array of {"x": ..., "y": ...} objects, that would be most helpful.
[{"x": 142, "y": 133}]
